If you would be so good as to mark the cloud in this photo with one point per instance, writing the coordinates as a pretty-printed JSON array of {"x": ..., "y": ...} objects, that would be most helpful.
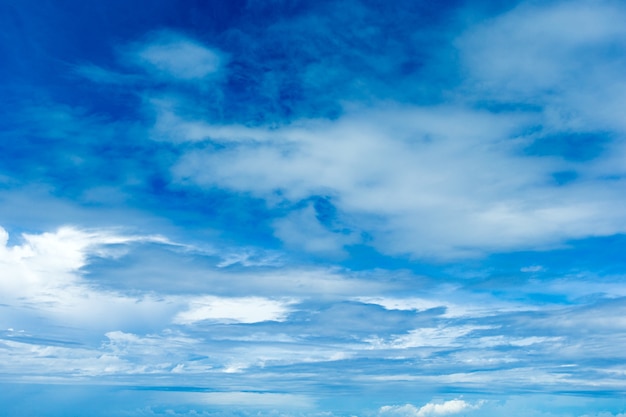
[
  {"x": 452, "y": 303},
  {"x": 45, "y": 272},
  {"x": 233, "y": 310},
  {"x": 560, "y": 55},
  {"x": 428, "y": 337},
  {"x": 440, "y": 183},
  {"x": 175, "y": 57},
  {"x": 252, "y": 399},
  {"x": 542, "y": 36},
  {"x": 330, "y": 329},
  {"x": 459, "y": 180},
  {"x": 101, "y": 75},
  {"x": 525, "y": 152},
  {"x": 431, "y": 409},
  {"x": 302, "y": 230},
  {"x": 51, "y": 260},
  {"x": 42, "y": 280},
  {"x": 418, "y": 304},
  {"x": 532, "y": 268},
  {"x": 449, "y": 181}
]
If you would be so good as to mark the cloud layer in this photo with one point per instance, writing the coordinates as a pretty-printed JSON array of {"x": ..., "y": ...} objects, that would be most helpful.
[{"x": 313, "y": 209}]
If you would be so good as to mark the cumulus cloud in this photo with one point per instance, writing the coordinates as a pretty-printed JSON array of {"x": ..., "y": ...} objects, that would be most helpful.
[
  {"x": 46, "y": 271},
  {"x": 43, "y": 274},
  {"x": 431, "y": 409},
  {"x": 52, "y": 260}
]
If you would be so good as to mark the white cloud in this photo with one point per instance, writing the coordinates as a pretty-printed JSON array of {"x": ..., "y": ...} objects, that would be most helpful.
[
  {"x": 448, "y": 181},
  {"x": 442, "y": 182},
  {"x": 175, "y": 56},
  {"x": 238, "y": 310},
  {"x": 431, "y": 409},
  {"x": 57, "y": 362},
  {"x": 413, "y": 303},
  {"x": 43, "y": 276},
  {"x": 427, "y": 337},
  {"x": 302, "y": 230},
  {"x": 526, "y": 46},
  {"x": 490, "y": 341},
  {"x": 241, "y": 358},
  {"x": 46, "y": 272},
  {"x": 456, "y": 302},
  {"x": 121, "y": 354},
  {"x": 532, "y": 268},
  {"x": 561, "y": 55},
  {"x": 250, "y": 399},
  {"x": 52, "y": 260}
]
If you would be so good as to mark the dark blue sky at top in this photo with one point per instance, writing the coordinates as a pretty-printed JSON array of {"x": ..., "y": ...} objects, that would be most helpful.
[
  {"x": 354, "y": 48},
  {"x": 45, "y": 39},
  {"x": 269, "y": 44}
]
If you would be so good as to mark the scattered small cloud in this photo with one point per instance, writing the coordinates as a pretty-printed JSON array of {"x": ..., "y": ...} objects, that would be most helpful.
[
  {"x": 532, "y": 268},
  {"x": 431, "y": 409},
  {"x": 176, "y": 57}
]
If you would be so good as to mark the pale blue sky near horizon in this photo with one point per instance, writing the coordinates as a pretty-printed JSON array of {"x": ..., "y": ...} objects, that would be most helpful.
[{"x": 313, "y": 208}]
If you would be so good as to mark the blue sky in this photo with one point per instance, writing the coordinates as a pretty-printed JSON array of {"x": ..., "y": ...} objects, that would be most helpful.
[{"x": 313, "y": 208}]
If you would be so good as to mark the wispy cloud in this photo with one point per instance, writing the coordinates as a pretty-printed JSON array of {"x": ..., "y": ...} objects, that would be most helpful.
[
  {"x": 176, "y": 57},
  {"x": 422, "y": 204},
  {"x": 252, "y": 399}
]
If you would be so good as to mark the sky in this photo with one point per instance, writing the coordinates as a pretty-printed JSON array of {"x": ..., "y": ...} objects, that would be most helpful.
[{"x": 294, "y": 208}]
